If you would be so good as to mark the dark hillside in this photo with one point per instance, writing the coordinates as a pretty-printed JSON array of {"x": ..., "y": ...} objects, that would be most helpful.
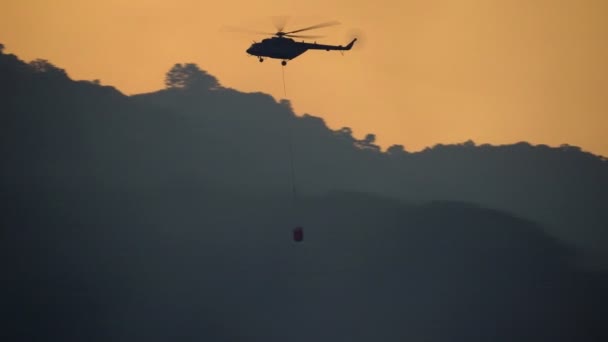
[
  {"x": 186, "y": 265},
  {"x": 58, "y": 132},
  {"x": 168, "y": 216}
]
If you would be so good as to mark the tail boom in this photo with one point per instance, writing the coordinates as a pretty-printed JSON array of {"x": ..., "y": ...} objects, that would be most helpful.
[{"x": 315, "y": 46}]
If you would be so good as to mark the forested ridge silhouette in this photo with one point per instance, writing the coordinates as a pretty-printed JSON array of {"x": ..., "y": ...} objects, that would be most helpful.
[{"x": 167, "y": 216}]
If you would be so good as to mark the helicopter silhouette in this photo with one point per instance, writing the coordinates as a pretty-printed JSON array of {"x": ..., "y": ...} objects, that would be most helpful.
[{"x": 282, "y": 46}]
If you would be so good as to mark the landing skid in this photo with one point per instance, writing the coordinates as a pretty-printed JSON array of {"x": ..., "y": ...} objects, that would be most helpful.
[{"x": 283, "y": 63}]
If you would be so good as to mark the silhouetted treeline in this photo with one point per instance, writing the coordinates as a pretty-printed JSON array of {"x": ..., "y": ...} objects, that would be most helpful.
[{"x": 167, "y": 216}]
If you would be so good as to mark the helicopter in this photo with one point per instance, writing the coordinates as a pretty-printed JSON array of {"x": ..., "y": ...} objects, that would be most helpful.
[{"x": 282, "y": 46}]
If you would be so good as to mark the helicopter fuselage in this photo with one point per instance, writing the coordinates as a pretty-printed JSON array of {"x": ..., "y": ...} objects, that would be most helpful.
[{"x": 287, "y": 48}]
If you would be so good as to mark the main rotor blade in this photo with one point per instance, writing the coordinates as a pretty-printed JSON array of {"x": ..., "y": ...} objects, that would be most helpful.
[
  {"x": 301, "y": 36},
  {"x": 280, "y": 22},
  {"x": 329, "y": 23},
  {"x": 240, "y": 29}
]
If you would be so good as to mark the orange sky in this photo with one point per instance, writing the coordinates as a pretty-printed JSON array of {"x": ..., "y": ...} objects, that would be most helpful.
[{"x": 427, "y": 71}]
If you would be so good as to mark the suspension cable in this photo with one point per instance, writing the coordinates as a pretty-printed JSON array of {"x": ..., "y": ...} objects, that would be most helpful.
[{"x": 291, "y": 149}]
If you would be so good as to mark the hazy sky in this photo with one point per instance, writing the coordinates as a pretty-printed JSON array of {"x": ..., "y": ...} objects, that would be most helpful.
[{"x": 427, "y": 71}]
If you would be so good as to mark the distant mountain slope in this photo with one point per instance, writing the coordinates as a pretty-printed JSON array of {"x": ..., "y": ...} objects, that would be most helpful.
[
  {"x": 58, "y": 133},
  {"x": 201, "y": 264}
]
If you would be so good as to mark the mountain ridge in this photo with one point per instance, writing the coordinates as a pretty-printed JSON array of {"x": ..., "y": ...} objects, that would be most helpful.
[{"x": 80, "y": 133}]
